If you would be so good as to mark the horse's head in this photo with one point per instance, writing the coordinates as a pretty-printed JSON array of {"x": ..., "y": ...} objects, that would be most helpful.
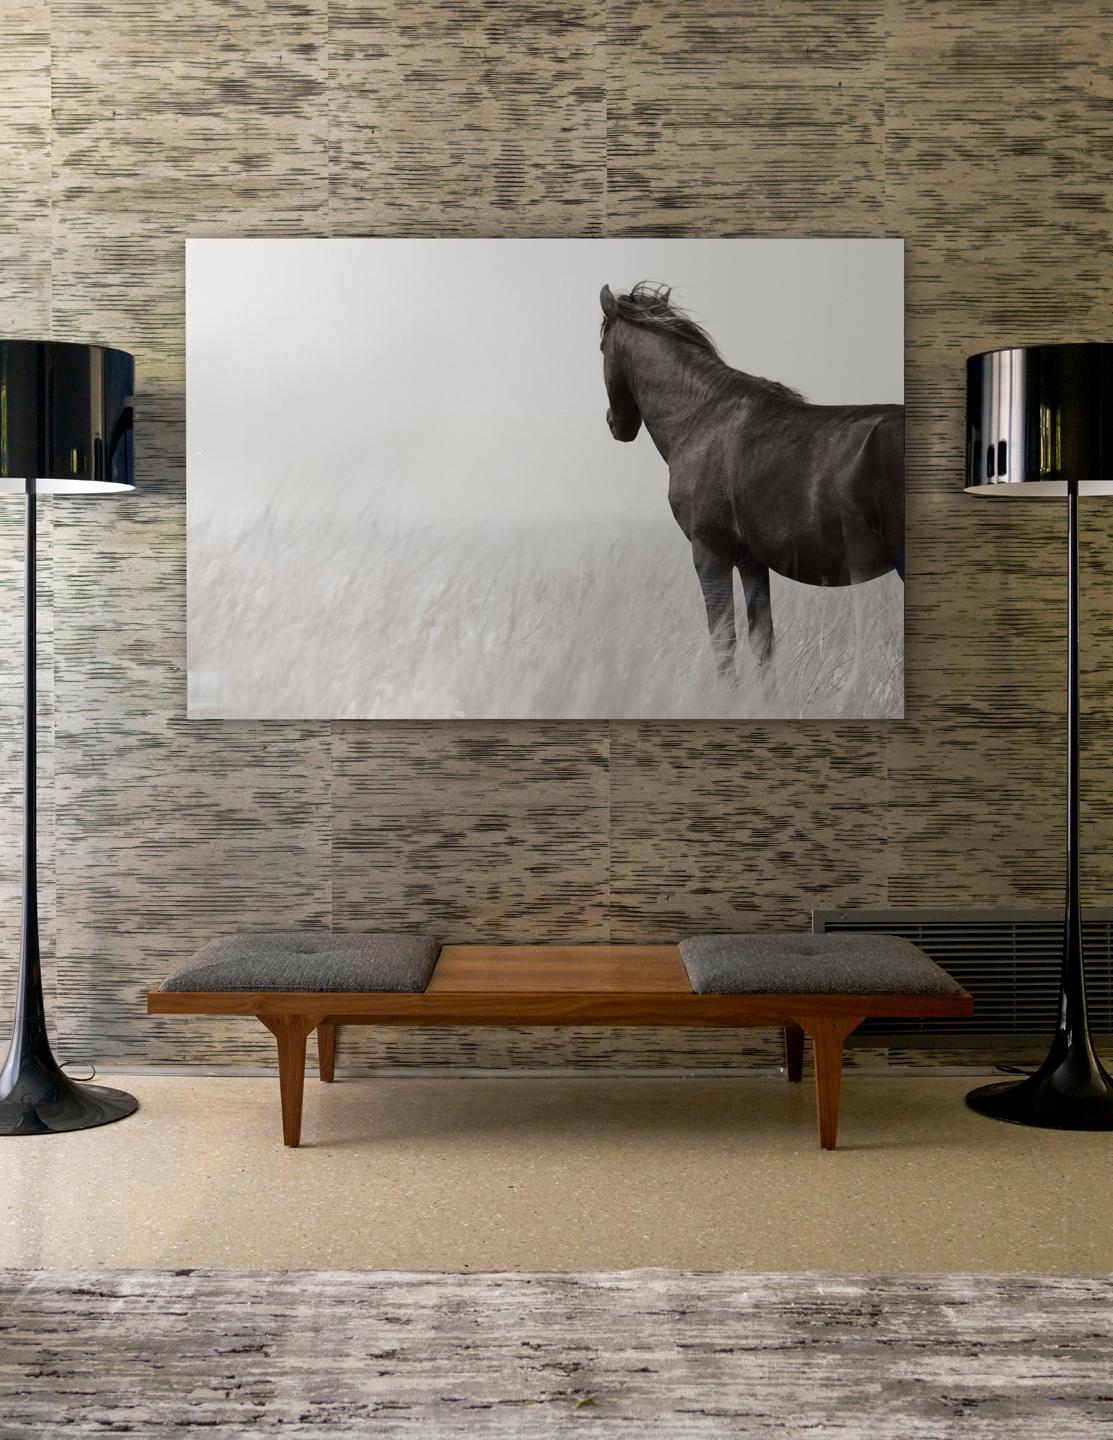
[{"x": 623, "y": 415}]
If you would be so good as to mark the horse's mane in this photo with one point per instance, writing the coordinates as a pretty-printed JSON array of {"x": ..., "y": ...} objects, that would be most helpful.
[{"x": 648, "y": 304}]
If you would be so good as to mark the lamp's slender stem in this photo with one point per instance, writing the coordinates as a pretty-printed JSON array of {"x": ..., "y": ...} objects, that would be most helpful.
[
  {"x": 30, "y": 1010},
  {"x": 30, "y": 717},
  {"x": 1070, "y": 1090},
  {"x": 37, "y": 1097},
  {"x": 1072, "y": 999}
]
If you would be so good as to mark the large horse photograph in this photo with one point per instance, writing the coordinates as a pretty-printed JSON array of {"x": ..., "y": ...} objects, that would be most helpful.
[{"x": 586, "y": 479}]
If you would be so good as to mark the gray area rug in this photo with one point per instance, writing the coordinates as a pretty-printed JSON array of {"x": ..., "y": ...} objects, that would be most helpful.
[{"x": 636, "y": 1353}]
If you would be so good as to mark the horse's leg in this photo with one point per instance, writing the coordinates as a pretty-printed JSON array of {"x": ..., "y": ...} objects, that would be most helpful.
[
  {"x": 892, "y": 535},
  {"x": 717, "y": 583},
  {"x": 888, "y": 448},
  {"x": 759, "y": 610}
]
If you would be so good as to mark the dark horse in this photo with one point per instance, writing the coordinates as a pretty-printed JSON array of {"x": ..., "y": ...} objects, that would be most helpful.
[{"x": 759, "y": 479}]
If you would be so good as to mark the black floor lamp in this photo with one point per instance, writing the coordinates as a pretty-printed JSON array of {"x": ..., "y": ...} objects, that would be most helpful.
[
  {"x": 65, "y": 429},
  {"x": 1039, "y": 422}
]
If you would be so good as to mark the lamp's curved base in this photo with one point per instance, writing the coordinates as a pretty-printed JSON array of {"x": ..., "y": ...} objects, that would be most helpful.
[
  {"x": 1052, "y": 1099},
  {"x": 45, "y": 1101}
]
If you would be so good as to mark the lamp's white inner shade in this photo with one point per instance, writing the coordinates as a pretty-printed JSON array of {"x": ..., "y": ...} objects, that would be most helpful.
[
  {"x": 1039, "y": 489},
  {"x": 66, "y": 485}
]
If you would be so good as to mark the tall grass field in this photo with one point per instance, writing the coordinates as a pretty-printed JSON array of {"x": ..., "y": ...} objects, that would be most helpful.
[{"x": 318, "y": 617}]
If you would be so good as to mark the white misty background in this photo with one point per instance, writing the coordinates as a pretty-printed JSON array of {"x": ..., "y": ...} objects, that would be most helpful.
[{"x": 404, "y": 501}]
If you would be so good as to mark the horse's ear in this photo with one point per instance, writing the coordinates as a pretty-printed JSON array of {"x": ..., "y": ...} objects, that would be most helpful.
[{"x": 608, "y": 302}]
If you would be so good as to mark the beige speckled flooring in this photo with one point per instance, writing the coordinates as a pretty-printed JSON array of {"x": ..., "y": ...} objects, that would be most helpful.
[{"x": 576, "y": 1174}]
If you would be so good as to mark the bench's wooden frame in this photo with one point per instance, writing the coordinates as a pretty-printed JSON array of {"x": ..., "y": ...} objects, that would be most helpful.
[{"x": 555, "y": 985}]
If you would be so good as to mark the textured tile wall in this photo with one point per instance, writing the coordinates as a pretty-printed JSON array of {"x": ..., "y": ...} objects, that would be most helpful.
[{"x": 982, "y": 132}]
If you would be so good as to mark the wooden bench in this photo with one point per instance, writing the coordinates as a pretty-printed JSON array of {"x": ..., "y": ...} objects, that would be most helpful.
[{"x": 525, "y": 985}]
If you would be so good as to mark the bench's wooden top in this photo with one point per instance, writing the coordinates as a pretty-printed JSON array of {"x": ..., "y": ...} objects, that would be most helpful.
[
  {"x": 595, "y": 969},
  {"x": 551, "y": 985}
]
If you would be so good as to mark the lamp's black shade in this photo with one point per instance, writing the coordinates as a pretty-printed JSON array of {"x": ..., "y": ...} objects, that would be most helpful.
[
  {"x": 65, "y": 417},
  {"x": 1038, "y": 417}
]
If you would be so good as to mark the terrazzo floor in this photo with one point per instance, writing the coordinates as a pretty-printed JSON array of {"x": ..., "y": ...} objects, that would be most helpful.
[{"x": 574, "y": 1173}]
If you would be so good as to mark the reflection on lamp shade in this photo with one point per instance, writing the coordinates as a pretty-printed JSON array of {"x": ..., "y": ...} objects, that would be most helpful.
[
  {"x": 1039, "y": 417},
  {"x": 65, "y": 418}
]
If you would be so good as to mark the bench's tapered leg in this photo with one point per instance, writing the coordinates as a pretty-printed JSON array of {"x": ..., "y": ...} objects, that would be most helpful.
[
  {"x": 794, "y": 1052},
  {"x": 290, "y": 1031},
  {"x": 828, "y": 1033},
  {"x": 326, "y": 1051}
]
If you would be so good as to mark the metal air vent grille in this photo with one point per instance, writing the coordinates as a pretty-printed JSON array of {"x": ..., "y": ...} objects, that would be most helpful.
[{"x": 1009, "y": 960}]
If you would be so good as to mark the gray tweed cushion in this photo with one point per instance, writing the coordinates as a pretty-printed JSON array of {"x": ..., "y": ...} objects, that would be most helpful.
[
  {"x": 304, "y": 960},
  {"x": 838, "y": 964}
]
